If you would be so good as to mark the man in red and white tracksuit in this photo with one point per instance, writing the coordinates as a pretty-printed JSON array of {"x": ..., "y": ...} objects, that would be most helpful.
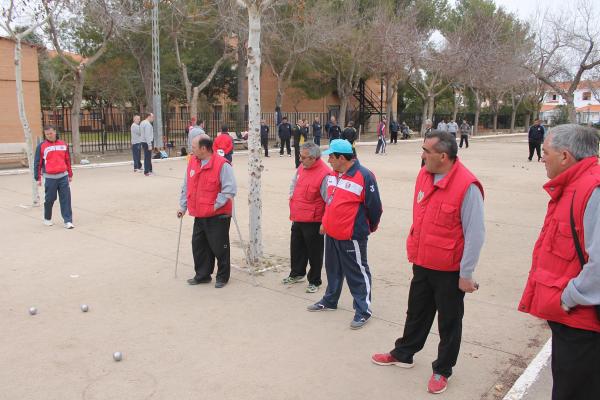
[
  {"x": 52, "y": 161},
  {"x": 223, "y": 145},
  {"x": 564, "y": 281},
  {"x": 443, "y": 245},
  {"x": 207, "y": 194},
  {"x": 308, "y": 193},
  {"x": 352, "y": 212}
]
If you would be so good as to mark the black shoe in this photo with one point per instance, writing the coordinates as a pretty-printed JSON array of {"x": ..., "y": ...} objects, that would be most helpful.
[
  {"x": 220, "y": 284},
  {"x": 194, "y": 281}
]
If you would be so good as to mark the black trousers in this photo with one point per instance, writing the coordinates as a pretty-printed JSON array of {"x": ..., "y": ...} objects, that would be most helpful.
[
  {"x": 394, "y": 137},
  {"x": 210, "y": 240},
  {"x": 136, "y": 150},
  {"x": 317, "y": 140},
  {"x": 430, "y": 292},
  {"x": 306, "y": 246},
  {"x": 575, "y": 363},
  {"x": 285, "y": 141},
  {"x": 537, "y": 146},
  {"x": 465, "y": 139},
  {"x": 58, "y": 187},
  {"x": 380, "y": 145},
  {"x": 147, "y": 158},
  {"x": 265, "y": 144},
  {"x": 297, "y": 153}
]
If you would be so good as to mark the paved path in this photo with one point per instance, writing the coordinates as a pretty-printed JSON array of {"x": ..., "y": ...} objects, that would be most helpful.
[{"x": 246, "y": 341}]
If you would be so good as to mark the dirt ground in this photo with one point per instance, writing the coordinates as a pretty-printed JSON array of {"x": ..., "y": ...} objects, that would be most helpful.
[{"x": 247, "y": 341}]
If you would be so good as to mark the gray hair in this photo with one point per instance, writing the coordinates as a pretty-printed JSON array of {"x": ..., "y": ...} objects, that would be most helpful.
[
  {"x": 313, "y": 150},
  {"x": 580, "y": 141},
  {"x": 446, "y": 143}
]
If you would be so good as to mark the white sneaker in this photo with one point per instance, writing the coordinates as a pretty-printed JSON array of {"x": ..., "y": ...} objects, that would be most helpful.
[
  {"x": 48, "y": 222},
  {"x": 69, "y": 225}
]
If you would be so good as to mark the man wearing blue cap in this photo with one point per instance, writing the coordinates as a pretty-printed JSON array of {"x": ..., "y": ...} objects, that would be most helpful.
[{"x": 352, "y": 212}]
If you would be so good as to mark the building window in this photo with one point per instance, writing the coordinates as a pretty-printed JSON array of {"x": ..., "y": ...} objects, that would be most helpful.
[
  {"x": 586, "y": 96},
  {"x": 554, "y": 97}
]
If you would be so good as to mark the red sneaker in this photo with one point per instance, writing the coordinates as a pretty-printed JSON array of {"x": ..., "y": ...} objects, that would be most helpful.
[
  {"x": 388, "y": 359},
  {"x": 437, "y": 384}
]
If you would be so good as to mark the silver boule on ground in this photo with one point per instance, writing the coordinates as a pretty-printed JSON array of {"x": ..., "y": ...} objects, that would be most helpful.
[
  {"x": 85, "y": 308},
  {"x": 33, "y": 311},
  {"x": 117, "y": 356}
]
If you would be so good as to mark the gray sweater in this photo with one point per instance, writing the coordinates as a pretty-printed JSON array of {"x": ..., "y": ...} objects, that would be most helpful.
[
  {"x": 136, "y": 134},
  {"x": 471, "y": 216},
  {"x": 584, "y": 289},
  {"x": 147, "y": 132}
]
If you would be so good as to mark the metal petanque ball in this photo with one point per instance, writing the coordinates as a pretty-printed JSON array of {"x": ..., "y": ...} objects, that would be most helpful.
[
  {"x": 85, "y": 308},
  {"x": 32, "y": 311},
  {"x": 117, "y": 356}
]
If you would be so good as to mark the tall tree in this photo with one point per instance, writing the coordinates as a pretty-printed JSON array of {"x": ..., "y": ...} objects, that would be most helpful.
[
  {"x": 11, "y": 13},
  {"x": 567, "y": 48},
  {"x": 255, "y": 9}
]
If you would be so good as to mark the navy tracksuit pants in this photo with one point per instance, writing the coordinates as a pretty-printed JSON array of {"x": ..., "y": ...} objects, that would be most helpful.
[
  {"x": 58, "y": 187},
  {"x": 348, "y": 258}
]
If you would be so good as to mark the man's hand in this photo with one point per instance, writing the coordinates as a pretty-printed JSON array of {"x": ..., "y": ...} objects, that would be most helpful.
[
  {"x": 70, "y": 179},
  {"x": 180, "y": 213},
  {"x": 39, "y": 182},
  {"x": 467, "y": 285},
  {"x": 321, "y": 230}
]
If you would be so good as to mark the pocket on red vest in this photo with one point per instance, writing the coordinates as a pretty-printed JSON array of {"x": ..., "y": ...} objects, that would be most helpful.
[
  {"x": 546, "y": 298},
  {"x": 447, "y": 215},
  {"x": 441, "y": 251}
]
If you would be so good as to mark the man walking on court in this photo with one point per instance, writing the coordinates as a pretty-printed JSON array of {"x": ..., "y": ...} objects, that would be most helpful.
[
  {"x": 352, "y": 212},
  {"x": 308, "y": 193},
  {"x": 284, "y": 131},
  {"x": 52, "y": 161},
  {"x": 535, "y": 137},
  {"x": 443, "y": 245},
  {"x": 207, "y": 194}
]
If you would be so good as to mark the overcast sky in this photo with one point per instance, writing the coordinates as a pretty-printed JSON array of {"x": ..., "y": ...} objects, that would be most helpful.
[{"x": 525, "y": 9}]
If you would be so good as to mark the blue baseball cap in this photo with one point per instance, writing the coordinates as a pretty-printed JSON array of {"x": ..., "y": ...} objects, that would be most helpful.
[{"x": 340, "y": 146}]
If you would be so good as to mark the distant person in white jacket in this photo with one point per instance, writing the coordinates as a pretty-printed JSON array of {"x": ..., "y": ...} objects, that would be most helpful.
[
  {"x": 136, "y": 143},
  {"x": 147, "y": 132}
]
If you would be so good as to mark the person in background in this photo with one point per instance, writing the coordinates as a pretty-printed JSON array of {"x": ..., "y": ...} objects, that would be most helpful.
[
  {"x": 223, "y": 144},
  {"x": 381, "y": 136},
  {"x": 317, "y": 131},
  {"x": 264, "y": 136},
  {"x": 136, "y": 144}
]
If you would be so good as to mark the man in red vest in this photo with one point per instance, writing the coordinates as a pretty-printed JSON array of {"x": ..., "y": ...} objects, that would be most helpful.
[
  {"x": 352, "y": 211},
  {"x": 308, "y": 193},
  {"x": 207, "y": 192},
  {"x": 564, "y": 281},
  {"x": 443, "y": 245},
  {"x": 52, "y": 161}
]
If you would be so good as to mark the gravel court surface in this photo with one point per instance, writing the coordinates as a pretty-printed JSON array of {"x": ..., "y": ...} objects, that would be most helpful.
[{"x": 247, "y": 341}]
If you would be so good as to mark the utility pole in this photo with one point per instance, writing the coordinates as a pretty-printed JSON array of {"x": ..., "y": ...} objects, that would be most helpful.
[{"x": 156, "y": 103}]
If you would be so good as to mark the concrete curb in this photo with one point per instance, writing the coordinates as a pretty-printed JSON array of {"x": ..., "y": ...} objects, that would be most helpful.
[{"x": 531, "y": 373}]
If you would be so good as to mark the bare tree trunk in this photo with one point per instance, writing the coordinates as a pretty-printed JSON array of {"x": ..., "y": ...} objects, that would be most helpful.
[
  {"x": 343, "y": 110},
  {"x": 423, "y": 117},
  {"x": 35, "y": 197},
  {"x": 571, "y": 108},
  {"x": 527, "y": 120},
  {"x": 455, "y": 110},
  {"x": 194, "y": 102},
  {"x": 390, "y": 92},
  {"x": 477, "y": 112},
  {"x": 513, "y": 118},
  {"x": 242, "y": 95},
  {"x": 75, "y": 118},
  {"x": 430, "y": 106},
  {"x": 255, "y": 167}
]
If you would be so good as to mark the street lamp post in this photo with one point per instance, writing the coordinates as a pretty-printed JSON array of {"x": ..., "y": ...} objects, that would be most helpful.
[{"x": 156, "y": 102}]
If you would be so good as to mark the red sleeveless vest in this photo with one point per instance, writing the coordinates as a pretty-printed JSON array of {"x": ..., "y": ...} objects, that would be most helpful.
[
  {"x": 306, "y": 204},
  {"x": 203, "y": 185},
  {"x": 555, "y": 260},
  {"x": 436, "y": 238}
]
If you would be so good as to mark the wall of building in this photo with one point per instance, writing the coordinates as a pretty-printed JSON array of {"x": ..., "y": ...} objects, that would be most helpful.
[{"x": 12, "y": 139}]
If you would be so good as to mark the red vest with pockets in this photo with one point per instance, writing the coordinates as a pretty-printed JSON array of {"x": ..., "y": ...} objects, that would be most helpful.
[
  {"x": 555, "y": 261},
  {"x": 306, "y": 204},
  {"x": 436, "y": 238},
  {"x": 203, "y": 185}
]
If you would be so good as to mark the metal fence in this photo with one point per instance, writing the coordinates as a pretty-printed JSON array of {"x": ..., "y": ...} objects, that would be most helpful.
[
  {"x": 108, "y": 129},
  {"x": 486, "y": 120}
]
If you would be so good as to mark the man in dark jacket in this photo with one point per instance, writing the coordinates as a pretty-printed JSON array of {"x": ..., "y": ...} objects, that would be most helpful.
[
  {"x": 536, "y": 137},
  {"x": 264, "y": 136},
  {"x": 349, "y": 133},
  {"x": 300, "y": 135},
  {"x": 285, "y": 133},
  {"x": 317, "y": 131},
  {"x": 394, "y": 128},
  {"x": 333, "y": 130}
]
